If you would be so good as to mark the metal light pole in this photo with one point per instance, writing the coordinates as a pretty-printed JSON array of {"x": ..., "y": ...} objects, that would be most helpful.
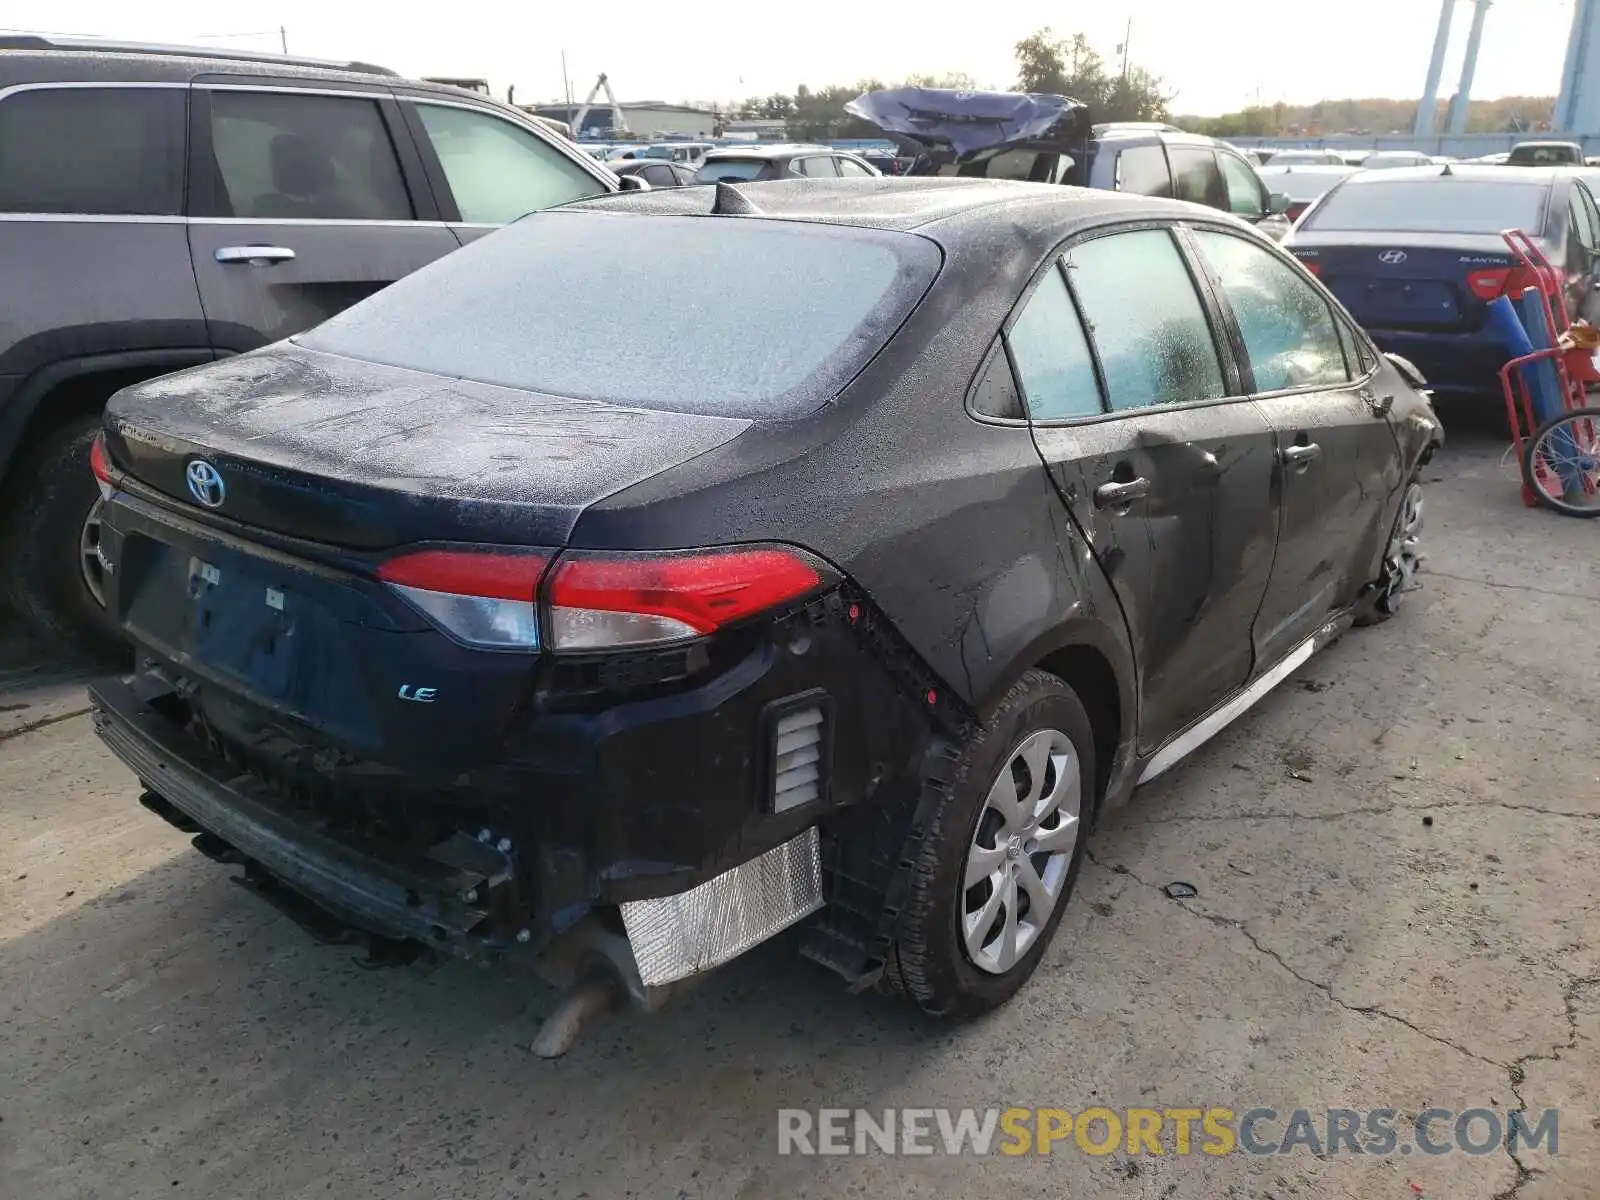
[
  {"x": 1458, "y": 108},
  {"x": 1575, "y": 106},
  {"x": 1430, "y": 93}
]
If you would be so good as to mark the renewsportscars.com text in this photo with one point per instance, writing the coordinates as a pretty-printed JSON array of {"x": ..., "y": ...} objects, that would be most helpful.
[{"x": 1178, "y": 1131}]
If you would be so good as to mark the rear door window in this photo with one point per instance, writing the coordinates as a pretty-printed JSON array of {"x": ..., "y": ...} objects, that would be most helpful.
[
  {"x": 1195, "y": 176},
  {"x": 306, "y": 156},
  {"x": 95, "y": 151},
  {"x": 851, "y": 169},
  {"x": 731, "y": 170},
  {"x": 1142, "y": 171},
  {"x": 1052, "y": 358},
  {"x": 1247, "y": 197},
  {"x": 1288, "y": 329},
  {"x": 498, "y": 171},
  {"x": 818, "y": 166},
  {"x": 1146, "y": 320}
]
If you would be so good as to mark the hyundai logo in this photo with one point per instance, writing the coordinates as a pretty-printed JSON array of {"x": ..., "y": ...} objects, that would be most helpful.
[
  {"x": 1392, "y": 257},
  {"x": 205, "y": 483}
]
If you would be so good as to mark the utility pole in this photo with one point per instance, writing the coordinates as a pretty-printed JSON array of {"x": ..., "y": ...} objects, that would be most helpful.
[
  {"x": 1127, "y": 37},
  {"x": 1469, "y": 66},
  {"x": 283, "y": 40},
  {"x": 1430, "y": 93},
  {"x": 566, "y": 83}
]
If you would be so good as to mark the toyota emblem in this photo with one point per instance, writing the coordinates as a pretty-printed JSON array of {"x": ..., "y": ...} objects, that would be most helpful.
[
  {"x": 205, "y": 483},
  {"x": 1392, "y": 257}
]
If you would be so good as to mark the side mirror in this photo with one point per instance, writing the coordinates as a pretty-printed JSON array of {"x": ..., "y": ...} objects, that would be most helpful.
[
  {"x": 1277, "y": 204},
  {"x": 634, "y": 183}
]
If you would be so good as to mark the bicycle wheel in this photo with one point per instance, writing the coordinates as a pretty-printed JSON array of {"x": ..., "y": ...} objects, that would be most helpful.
[{"x": 1561, "y": 463}]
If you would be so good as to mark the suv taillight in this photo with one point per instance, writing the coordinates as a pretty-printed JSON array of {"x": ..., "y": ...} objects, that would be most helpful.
[{"x": 597, "y": 601}]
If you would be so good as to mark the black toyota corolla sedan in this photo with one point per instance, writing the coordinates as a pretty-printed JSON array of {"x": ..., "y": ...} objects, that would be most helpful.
[{"x": 669, "y": 569}]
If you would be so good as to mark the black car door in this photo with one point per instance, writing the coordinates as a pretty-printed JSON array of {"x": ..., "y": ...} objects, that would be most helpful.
[
  {"x": 301, "y": 203},
  {"x": 1337, "y": 456},
  {"x": 1165, "y": 466}
]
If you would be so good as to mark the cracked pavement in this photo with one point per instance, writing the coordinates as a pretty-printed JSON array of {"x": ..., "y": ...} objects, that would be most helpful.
[{"x": 1397, "y": 904}]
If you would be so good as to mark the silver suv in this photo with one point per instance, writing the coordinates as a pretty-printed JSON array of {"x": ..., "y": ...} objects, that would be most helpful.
[{"x": 161, "y": 207}]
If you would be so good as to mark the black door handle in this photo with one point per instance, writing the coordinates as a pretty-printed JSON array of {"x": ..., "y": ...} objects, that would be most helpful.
[{"x": 1116, "y": 495}]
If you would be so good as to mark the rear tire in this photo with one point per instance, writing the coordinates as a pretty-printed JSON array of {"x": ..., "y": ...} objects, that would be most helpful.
[
  {"x": 46, "y": 538},
  {"x": 1003, "y": 826},
  {"x": 1402, "y": 559}
]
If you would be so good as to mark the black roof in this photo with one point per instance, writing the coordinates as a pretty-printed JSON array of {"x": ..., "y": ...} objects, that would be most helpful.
[{"x": 908, "y": 202}]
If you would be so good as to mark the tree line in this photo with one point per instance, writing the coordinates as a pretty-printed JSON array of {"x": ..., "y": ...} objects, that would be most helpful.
[
  {"x": 1125, "y": 91},
  {"x": 1045, "y": 63},
  {"x": 1507, "y": 114}
]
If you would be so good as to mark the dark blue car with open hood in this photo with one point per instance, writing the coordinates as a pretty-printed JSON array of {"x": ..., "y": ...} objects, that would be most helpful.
[{"x": 1052, "y": 139}]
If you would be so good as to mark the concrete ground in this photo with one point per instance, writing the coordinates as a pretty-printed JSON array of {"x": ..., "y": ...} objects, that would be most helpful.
[{"x": 1398, "y": 907}]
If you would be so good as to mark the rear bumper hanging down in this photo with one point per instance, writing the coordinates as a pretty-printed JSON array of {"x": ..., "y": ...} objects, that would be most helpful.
[{"x": 430, "y": 899}]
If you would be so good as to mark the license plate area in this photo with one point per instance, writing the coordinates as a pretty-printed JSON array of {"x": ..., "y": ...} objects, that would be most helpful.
[{"x": 263, "y": 628}]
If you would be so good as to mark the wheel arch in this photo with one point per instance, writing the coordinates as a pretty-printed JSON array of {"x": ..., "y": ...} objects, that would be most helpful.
[
  {"x": 70, "y": 388},
  {"x": 1095, "y": 661}
]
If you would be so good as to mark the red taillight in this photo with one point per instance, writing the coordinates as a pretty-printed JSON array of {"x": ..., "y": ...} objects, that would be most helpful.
[
  {"x": 1313, "y": 266},
  {"x": 1488, "y": 284},
  {"x": 600, "y": 601},
  {"x": 492, "y": 574},
  {"x": 1294, "y": 210},
  {"x": 482, "y": 597},
  {"x": 100, "y": 464}
]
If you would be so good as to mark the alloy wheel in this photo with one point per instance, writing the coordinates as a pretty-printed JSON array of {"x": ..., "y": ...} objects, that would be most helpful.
[
  {"x": 1016, "y": 866},
  {"x": 1404, "y": 556},
  {"x": 90, "y": 561}
]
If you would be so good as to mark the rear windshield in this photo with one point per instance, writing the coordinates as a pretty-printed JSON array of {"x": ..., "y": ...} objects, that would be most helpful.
[
  {"x": 730, "y": 169},
  {"x": 727, "y": 316},
  {"x": 1443, "y": 204},
  {"x": 1545, "y": 156}
]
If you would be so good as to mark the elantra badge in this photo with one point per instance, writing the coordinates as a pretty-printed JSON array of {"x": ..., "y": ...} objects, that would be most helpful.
[{"x": 205, "y": 483}]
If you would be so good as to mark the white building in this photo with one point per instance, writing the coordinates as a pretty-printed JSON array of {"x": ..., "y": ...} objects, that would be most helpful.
[{"x": 646, "y": 118}]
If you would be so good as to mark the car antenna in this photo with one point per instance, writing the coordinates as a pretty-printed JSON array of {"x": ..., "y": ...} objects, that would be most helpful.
[{"x": 731, "y": 202}]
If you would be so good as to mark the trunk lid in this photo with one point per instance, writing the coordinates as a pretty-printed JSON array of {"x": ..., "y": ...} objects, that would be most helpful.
[
  {"x": 1410, "y": 281},
  {"x": 365, "y": 456},
  {"x": 268, "y": 604}
]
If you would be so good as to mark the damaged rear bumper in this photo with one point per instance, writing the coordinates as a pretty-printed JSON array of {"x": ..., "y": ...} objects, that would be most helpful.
[{"x": 460, "y": 896}]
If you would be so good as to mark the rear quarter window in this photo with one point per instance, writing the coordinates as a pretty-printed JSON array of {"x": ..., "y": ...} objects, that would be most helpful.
[{"x": 659, "y": 312}]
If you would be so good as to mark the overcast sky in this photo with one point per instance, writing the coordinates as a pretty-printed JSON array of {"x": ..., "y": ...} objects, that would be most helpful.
[{"x": 1217, "y": 56}]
